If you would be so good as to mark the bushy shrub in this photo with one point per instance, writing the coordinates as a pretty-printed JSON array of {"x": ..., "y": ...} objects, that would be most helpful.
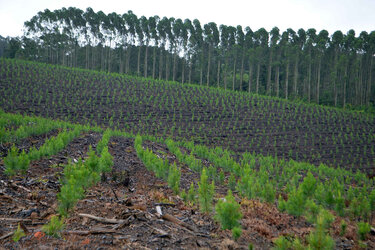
[
  {"x": 308, "y": 185},
  {"x": 205, "y": 192},
  {"x": 15, "y": 162},
  {"x": 70, "y": 193},
  {"x": 228, "y": 212},
  {"x": 174, "y": 177},
  {"x": 296, "y": 203},
  {"x": 54, "y": 227},
  {"x": 363, "y": 229},
  {"x": 320, "y": 238}
]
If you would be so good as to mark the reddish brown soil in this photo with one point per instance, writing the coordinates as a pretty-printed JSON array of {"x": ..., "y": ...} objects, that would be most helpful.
[{"x": 131, "y": 193}]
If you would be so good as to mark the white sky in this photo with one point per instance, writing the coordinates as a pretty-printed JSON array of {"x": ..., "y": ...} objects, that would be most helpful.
[{"x": 331, "y": 15}]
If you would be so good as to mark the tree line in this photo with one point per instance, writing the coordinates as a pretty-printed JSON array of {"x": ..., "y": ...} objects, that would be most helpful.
[{"x": 314, "y": 66}]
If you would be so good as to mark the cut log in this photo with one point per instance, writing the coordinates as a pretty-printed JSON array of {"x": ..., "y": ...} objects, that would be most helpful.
[
  {"x": 173, "y": 219},
  {"x": 102, "y": 219}
]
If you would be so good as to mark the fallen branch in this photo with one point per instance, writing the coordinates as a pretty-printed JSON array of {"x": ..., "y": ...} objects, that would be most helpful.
[
  {"x": 21, "y": 187},
  {"x": 165, "y": 204},
  {"x": 102, "y": 219},
  {"x": 93, "y": 231},
  {"x": 6, "y": 235},
  {"x": 15, "y": 220},
  {"x": 173, "y": 219}
]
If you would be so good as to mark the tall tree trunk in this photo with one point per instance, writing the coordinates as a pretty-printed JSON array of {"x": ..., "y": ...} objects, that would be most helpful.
[
  {"x": 287, "y": 79},
  {"x": 295, "y": 80},
  {"x": 258, "y": 76},
  {"x": 225, "y": 72},
  {"x": 121, "y": 71},
  {"x": 139, "y": 61},
  {"x": 344, "y": 87},
  {"x": 127, "y": 71},
  {"x": 208, "y": 65},
  {"x": 218, "y": 74},
  {"x": 190, "y": 71},
  {"x": 109, "y": 58},
  {"x": 242, "y": 70},
  {"x": 167, "y": 70},
  {"x": 183, "y": 71},
  {"x": 277, "y": 80},
  {"x": 201, "y": 75},
  {"x": 250, "y": 75},
  {"x": 102, "y": 59},
  {"x": 369, "y": 80},
  {"x": 318, "y": 81},
  {"x": 174, "y": 65},
  {"x": 309, "y": 80},
  {"x": 234, "y": 73},
  {"x": 335, "y": 66},
  {"x": 154, "y": 63},
  {"x": 269, "y": 72},
  {"x": 146, "y": 62},
  {"x": 160, "y": 64}
]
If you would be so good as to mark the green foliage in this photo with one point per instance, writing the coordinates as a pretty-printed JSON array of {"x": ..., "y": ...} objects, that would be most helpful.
[
  {"x": 232, "y": 182},
  {"x": 191, "y": 193},
  {"x": 308, "y": 185},
  {"x": 205, "y": 192},
  {"x": 343, "y": 227},
  {"x": 15, "y": 162},
  {"x": 174, "y": 177},
  {"x": 320, "y": 238},
  {"x": 18, "y": 234},
  {"x": 236, "y": 233},
  {"x": 281, "y": 204},
  {"x": 311, "y": 211},
  {"x": 69, "y": 194},
  {"x": 282, "y": 243},
  {"x": 92, "y": 162},
  {"x": 296, "y": 203},
  {"x": 105, "y": 161},
  {"x": 103, "y": 143},
  {"x": 54, "y": 227},
  {"x": 363, "y": 229},
  {"x": 268, "y": 192},
  {"x": 228, "y": 212}
]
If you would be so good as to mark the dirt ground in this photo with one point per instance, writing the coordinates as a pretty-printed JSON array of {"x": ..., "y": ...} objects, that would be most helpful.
[{"x": 122, "y": 210}]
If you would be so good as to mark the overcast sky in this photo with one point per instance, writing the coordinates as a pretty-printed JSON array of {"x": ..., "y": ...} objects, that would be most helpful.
[{"x": 331, "y": 15}]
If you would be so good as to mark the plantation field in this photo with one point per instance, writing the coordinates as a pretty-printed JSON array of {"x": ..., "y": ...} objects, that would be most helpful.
[
  {"x": 237, "y": 121},
  {"x": 112, "y": 198},
  {"x": 135, "y": 163}
]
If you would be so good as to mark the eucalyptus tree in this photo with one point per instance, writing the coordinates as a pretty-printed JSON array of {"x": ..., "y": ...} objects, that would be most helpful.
[
  {"x": 337, "y": 44},
  {"x": 211, "y": 36},
  {"x": 261, "y": 41},
  {"x": 286, "y": 51},
  {"x": 350, "y": 42},
  {"x": 144, "y": 25},
  {"x": 249, "y": 45},
  {"x": 233, "y": 48},
  {"x": 178, "y": 27},
  {"x": 240, "y": 39},
  {"x": 140, "y": 38},
  {"x": 184, "y": 36},
  {"x": 130, "y": 20},
  {"x": 190, "y": 45},
  {"x": 322, "y": 43},
  {"x": 198, "y": 40},
  {"x": 152, "y": 24},
  {"x": 298, "y": 42},
  {"x": 310, "y": 47},
  {"x": 162, "y": 42},
  {"x": 225, "y": 48},
  {"x": 275, "y": 36}
]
